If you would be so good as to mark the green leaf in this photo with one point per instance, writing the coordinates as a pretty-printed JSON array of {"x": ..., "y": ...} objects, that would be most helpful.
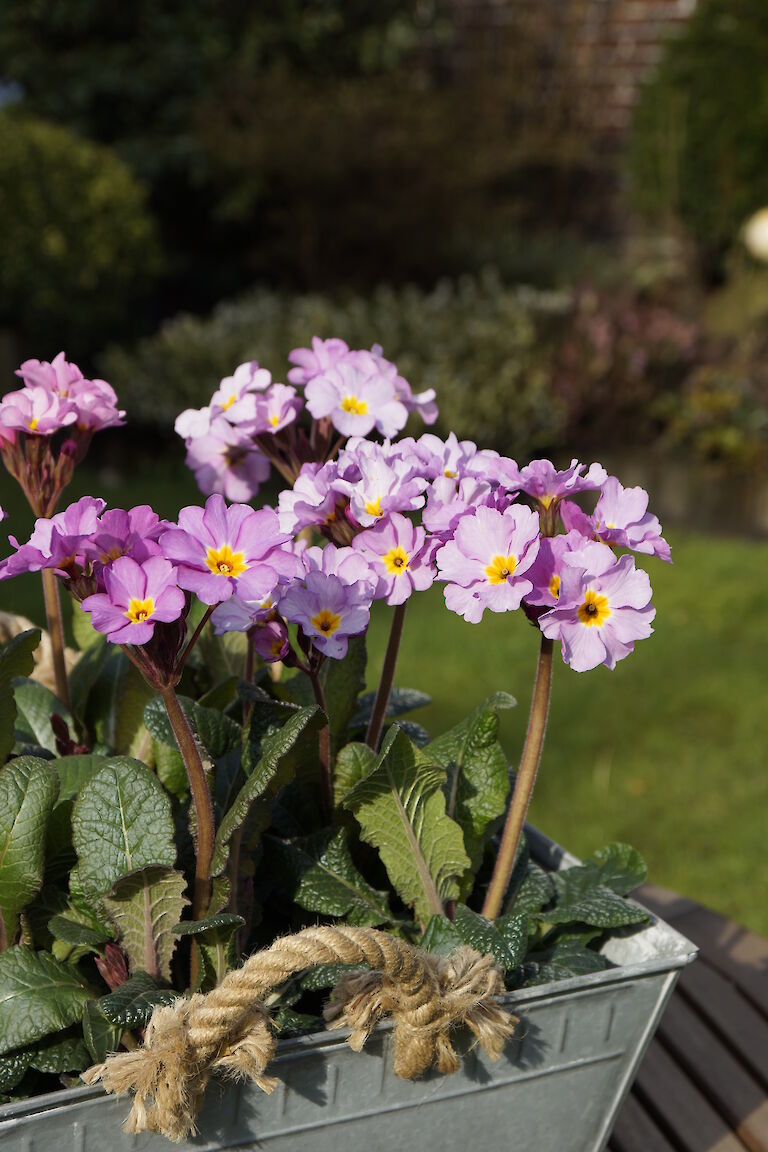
[
  {"x": 278, "y": 749},
  {"x": 342, "y": 682},
  {"x": 86, "y": 636},
  {"x": 129, "y": 731},
  {"x": 320, "y": 876},
  {"x": 131, "y": 1005},
  {"x": 13, "y": 1069},
  {"x": 217, "y": 733},
  {"x": 121, "y": 823},
  {"x": 416, "y": 733},
  {"x": 35, "y": 705},
  {"x": 568, "y": 957},
  {"x": 441, "y": 937},
  {"x": 100, "y": 1036},
  {"x": 400, "y": 807},
  {"x": 222, "y": 923},
  {"x": 145, "y": 907},
  {"x": 534, "y": 893},
  {"x": 60, "y": 1054},
  {"x": 580, "y": 898},
  {"x": 505, "y": 939},
  {"x": 83, "y": 677},
  {"x": 73, "y": 932},
  {"x": 215, "y": 937},
  {"x": 170, "y": 769},
  {"x": 477, "y": 775},
  {"x": 352, "y": 764},
  {"x": 38, "y": 995},
  {"x": 28, "y": 789},
  {"x": 74, "y": 772},
  {"x": 16, "y": 659},
  {"x": 290, "y": 1023},
  {"x": 401, "y": 700},
  {"x": 622, "y": 868},
  {"x": 324, "y": 976}
]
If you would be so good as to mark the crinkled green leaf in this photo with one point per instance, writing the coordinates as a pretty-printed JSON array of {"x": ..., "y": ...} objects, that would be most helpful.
[
  {"x": 416, "y": 733},
  {"x": 400, "y": 806},
  {"x": 86, "y": 672},
  {"x": 132, "y": 1004},
  {"x": 16, "y": 659},
  {"x": 145, "y": 908},
  {"x": 28, "y": 790},
  {"x": 72, "y": 932},
  {"x": 35, "y": 704},
  {"x": 505, "y": 939},
  {"x": 74, "y": 772},
  {"x": 477, "y": 775},
  {"x": 129, "y": 730},
  {"x": 277, "y": 751},
  {"x": 319, "y": 875},
  {"x": 170, "y": 769},
  {"x": 568, "y": 957},
  {"x": 534, "y": 893},
  {"x": 401, "y": 700},
  {"x": 121, "y": 823},
  {"x": 101, "y": 1037},
  {"x": 581, "y": 898},
  {"x": 86, "y": 636},
  {"x": 441, "y": 936},
  {"x": 13, "y": 1069},
  {"x": 217, "y": 732},
  {"x": 324, "y": 976},
  {"x": 622, "y": 868},
  {"x": 60, "y": 1054},
  {"x": 352, "y": 764},
  {"x": 38, "y": 995},
  {"x": 290, "y": 1023},
  {"x": 215, "y": 937}
]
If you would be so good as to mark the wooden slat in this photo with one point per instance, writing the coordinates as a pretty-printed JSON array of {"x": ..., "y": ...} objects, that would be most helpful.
[
  {"x": 729, "y": 1087},
  {"x": 680, "y": 1108},
  {"x": 635, "y": 1131},
  {"x": 738, "y": 1024}
]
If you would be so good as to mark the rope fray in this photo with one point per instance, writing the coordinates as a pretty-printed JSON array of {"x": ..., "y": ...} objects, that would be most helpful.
[{"x": 228, "y": 1030}]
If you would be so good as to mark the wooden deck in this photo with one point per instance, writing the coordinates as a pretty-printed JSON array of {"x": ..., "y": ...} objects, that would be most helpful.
[{"x": 703, "y": 1085}]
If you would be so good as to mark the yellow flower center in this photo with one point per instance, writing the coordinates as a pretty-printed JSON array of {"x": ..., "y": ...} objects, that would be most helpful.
[
  {"x": 546, "y": 501},
  {"x": 450, "y": 475},
  {"x": 140, "y": 610},
  {"x": 228, "y": 403},
  {"x": 326, "y": 621},
  {"x": 32, "y": 425},
  {"x": 500, "y": 569},
  {"x": 396, "y": 561},
  {"x": 554, "y": 586},
  {"x": 373, "y": 507},
  {"x": 224, "y": 562},
  {"x": 595, "y": 610},
  {"x": 114, "y": 553},
  {"x": 274, "y": 421},
  {"x": 355, "y": 406}
]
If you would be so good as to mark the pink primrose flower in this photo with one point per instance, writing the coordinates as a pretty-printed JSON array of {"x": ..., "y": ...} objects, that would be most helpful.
[
  {"x": 137, "y": 597},
  {"x": 541, "y": 480},
  {"x": 399, "y": 554},
  {"x": 383, "y": 482},
  {"x": 225, "y": 461},
  {"x": 221, "y": 550},
  {"x": 356, "y": 403},
  {"x": 621, "y": 518},
  {"x": 314, "y": 361},
  {"x": 134, "y": 533},
  {"x": 546, "y": 571},
  {"x": 276, "y": 409},
  {"x": 58, "y": 542},
  {"x": 603, "y": 608},
  {"x": 312, "y": 501},
  {"x": 486, "y": 564},
  {"x": 448, "y": 501},
  {"x": 37, "y": 411},
  {"x": 374, "y": 362},
  {"x": 94, "y": 401}
]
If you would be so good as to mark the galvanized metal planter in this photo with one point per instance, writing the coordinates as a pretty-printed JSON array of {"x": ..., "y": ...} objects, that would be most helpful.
[{"x": 558, "y": 1087}]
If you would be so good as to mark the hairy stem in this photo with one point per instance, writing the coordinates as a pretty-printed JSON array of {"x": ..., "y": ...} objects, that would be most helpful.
[
  {"x": 526, "y": 779},
  {"x": 203, "y": 805},
  {"x": 326, "y": 778},
  {"x": 56, "y": 633},
  {"x": 384, "y": 691}
]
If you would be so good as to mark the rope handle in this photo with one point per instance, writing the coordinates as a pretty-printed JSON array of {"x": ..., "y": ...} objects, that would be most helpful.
[{"x": 228, "y": 1030}]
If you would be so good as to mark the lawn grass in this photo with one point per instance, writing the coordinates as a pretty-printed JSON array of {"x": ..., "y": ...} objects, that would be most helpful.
[{"x": 667, "y": 752}]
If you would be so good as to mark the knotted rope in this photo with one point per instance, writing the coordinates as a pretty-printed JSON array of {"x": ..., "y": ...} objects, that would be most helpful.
[{"x": 228, "y": 1030}]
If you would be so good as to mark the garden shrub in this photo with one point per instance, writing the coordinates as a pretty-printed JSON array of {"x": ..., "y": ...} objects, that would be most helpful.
[
  {"x": 701, "y": 127},
  {"x": 78, "y": 243}
]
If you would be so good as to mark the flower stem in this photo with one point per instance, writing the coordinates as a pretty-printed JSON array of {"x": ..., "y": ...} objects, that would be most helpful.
[
  {"x": 326, "y": 777},
  {"x": 201, "y": 799},
  {"x": 384, "y": 691},
  {"x": 526, "y": 778},
  {"x": 56, "y": 633}
]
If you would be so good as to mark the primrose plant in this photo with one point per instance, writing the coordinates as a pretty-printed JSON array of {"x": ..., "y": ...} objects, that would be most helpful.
[{"x": 213, "y": 773}]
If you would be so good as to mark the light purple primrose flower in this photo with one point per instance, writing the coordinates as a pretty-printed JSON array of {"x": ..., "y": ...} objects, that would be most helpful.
[
  {"x": 454, "y": 458},
  {"x": 246, "y": 378},
  {"x": 94, "y": 401},
  {"x": 356, "y": 403},
  {"x": 276, "y": 409},
  {"x": 134, "y": 533},
  {"x": 225, "y": 461},
  {"x": 193, "y": 423},
  {"x": 271, "y": 640},
  {"x": 541, "y": 480},
  {"x": 222, "y": 550},
  {"x": 546, "y": 571},
  {"x": 621, "y": 519},
  {"x": 486, "y": 564},
  {"x": 374, "y": 362},
  {"x": 603, "y": 608},
  {"x": 448, "y": 501},
  {"x": 314, "y": 361},
  {"x": 387, "y": 483},
  {"x": 58, "y": 376},
  {"x": 58, "y": 542},
  {"x": 37, "y": 411},
  {"x": 137, "y": 597},
  {"x": 312, "y": 501},
  {"x": 333, "y": 600},
  {"x": 399, "y": 554},
  {"x": 239, "y": 614}
]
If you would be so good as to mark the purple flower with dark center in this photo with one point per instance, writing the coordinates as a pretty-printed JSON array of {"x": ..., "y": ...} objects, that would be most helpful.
[
  {"x": 332, "y": 602},
  {"x": 36, "y": 411},
  {"x": 387, "y": 483},
  {"x": 541, "y": 480},
  {"x": 58, "y": 542},
  {"x": 603, "y": 608},
  {"x": 134, "y": 533},
  {"x": 486, "y": 564},
  {"x": 399, "y": 554},
  {"x": 314, "y": 361},
  {"x": 276, "y": 409},
  {"x": 225, "y": 461},
  {"x": 356, "y": 403},
  {"x": 312, "y": 501},
  {"x": 220, "y": 550},
  {"x": 622, "y": 519},
  {"x": 271, "y": 640},
  {"x": 137, "y": 597}
]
